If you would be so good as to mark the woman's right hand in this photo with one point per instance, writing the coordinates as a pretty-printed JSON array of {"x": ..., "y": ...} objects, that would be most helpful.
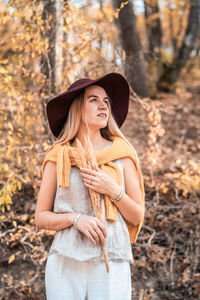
[{"x": 92, "y": 228}]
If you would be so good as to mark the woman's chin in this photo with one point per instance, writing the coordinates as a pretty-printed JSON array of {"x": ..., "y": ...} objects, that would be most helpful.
[
  {"x": 103, "y": 125},
  {"x": 99, "y": 125}
]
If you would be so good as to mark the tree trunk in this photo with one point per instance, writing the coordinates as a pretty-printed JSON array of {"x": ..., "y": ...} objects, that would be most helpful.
[
  {"x": 58, "y": 45},
  {"x": 171, "y": 27},
  {"x": 134, "y": 63},
  {"x": 48, "y": 61},
  {"x": 171, "y": 73},
  {"x": 153, "y": 27},
  {"x": 52, "y": 61}
]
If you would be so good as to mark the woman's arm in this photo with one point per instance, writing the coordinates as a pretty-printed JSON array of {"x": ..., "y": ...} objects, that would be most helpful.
[
  {"x": 131, "y": 205},
  {"x": 44, "y": 217}
]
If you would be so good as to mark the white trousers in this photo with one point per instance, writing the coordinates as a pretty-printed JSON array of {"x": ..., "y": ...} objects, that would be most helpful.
[{"x": 67, "y": 279}]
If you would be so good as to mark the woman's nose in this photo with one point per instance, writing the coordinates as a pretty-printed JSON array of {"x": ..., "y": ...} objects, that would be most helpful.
[{"x": 103, "y": 105}]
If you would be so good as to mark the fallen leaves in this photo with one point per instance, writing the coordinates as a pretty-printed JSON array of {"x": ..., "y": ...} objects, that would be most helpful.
[{"x": 11, "y": 258}]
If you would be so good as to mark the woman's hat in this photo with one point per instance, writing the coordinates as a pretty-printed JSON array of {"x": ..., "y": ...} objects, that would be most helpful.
[{"x": 116, "y": 87}]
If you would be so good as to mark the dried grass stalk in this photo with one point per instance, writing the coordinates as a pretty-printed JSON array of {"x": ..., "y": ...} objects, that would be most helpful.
[
  {"x": 88, "y": 160},
  {"x": 83, "y": 161}
]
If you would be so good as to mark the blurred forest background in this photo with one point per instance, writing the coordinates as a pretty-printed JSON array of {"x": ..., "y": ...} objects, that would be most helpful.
[{"x": 44, "y": 47}]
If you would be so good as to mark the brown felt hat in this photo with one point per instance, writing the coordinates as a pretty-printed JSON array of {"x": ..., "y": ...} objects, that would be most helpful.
[{"x": 115, "y": 85}]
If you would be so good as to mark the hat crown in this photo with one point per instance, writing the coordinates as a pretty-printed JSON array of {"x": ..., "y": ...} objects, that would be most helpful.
[{"x": 79, "y": 83}]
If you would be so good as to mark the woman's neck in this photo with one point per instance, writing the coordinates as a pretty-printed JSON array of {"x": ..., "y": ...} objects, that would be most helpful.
[{"x": 98, "y": 142}]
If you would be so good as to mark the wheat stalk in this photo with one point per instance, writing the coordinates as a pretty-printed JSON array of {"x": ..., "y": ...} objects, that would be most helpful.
[{"x": 88, "y": 160}]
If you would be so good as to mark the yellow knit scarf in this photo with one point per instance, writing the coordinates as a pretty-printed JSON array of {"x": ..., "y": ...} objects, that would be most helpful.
[{"x": 66, "y": 156}]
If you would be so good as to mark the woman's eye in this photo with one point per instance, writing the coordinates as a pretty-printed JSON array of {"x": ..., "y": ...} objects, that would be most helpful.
[
  {"x": 107, "y": 102},
  {"x": 94, "y": 99}
]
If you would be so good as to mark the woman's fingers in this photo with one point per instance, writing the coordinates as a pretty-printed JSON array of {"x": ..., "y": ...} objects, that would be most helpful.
[
  {"x": 91, "y": 177},
  {"x": 89, "y": 171},
  {"x": 92, "y": 228},
  {"x": 100, "y": 230},
  {"x": 95, "y": 234},
  {"x": 99, "y": 181},
  {"x": 102, "y": 227},
  {"x": 100, "y": 235},
  {"x": 89, "y": 182},
  {"x": 89, "y": 236},
  {"x": 83, "y": 226}
]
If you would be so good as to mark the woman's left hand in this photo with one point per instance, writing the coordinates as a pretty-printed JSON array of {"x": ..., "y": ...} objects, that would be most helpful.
[{"x": 101, "y": 182}]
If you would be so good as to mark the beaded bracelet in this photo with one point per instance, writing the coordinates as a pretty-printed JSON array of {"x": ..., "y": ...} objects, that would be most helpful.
[
  {"x": 76, "y": 219},
  {"x": 119, "y": 198}
]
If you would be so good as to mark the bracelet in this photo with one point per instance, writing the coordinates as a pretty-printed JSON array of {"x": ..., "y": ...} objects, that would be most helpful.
[
  {"x": 119, "y": 198},
  {"x": 76, "y": 219}
]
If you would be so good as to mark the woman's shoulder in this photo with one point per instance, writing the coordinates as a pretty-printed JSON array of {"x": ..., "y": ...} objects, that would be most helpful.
[
  {"x": 128, "y": 164},
  {"x": 53, "y": 152},
  {"x": 51, "y": 155}
]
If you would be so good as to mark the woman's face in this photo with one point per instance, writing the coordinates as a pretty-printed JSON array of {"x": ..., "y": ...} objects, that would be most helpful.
[{"x": 96, "y": 107}]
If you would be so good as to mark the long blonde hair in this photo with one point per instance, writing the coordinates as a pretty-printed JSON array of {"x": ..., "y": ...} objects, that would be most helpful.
[{"x": 74, "y": 119}]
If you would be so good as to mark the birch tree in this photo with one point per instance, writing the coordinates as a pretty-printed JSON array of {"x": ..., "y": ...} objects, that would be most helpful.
[
  {"x": 134, "y": 61},
  {"x": 52, "y": 60}
]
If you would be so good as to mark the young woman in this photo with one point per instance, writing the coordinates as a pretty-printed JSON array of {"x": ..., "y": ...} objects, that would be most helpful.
[{"x": 75, "y": 267}]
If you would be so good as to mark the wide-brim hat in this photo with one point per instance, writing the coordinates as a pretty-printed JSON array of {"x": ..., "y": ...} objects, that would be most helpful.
[{"x": 115, "y": 85}]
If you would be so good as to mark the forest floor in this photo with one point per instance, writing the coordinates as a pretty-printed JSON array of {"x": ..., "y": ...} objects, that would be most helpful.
[{"x": 167, "y": 252}]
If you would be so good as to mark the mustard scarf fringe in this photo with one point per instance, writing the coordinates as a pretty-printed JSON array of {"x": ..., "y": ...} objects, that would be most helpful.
[{"x": 66, "y": 156}]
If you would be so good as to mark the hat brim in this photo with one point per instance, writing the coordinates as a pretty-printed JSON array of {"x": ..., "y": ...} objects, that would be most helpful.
[{"x": 115, "y": 85}]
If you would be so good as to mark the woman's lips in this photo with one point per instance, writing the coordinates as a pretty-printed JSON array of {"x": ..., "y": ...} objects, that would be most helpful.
[{"x": 102, "y": 115}]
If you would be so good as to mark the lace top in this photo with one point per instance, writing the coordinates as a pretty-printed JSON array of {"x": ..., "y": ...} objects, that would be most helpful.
[{"x": 72, "y": 243}]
